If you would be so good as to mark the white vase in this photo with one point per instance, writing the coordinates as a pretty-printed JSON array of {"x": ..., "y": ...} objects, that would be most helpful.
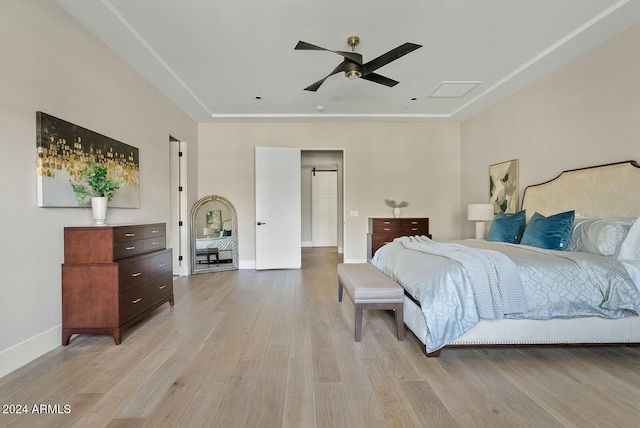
[
  {"x": 396, "y": 212},
  {"x": 99, "y": 209}
]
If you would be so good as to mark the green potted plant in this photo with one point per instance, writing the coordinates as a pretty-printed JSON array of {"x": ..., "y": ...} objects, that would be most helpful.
[{"x": 97, "y": 189}]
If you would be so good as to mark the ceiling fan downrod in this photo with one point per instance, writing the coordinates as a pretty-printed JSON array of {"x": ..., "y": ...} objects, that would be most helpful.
[{"x": 354, "y": 71}]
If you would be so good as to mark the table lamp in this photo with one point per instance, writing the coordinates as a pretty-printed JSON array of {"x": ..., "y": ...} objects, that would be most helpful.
[{"x": 480, "y": 213}]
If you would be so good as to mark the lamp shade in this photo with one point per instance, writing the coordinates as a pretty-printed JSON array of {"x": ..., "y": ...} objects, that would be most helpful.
[
  {"x": 209, "y": 231},
  {"x": 480, "y": 212}
]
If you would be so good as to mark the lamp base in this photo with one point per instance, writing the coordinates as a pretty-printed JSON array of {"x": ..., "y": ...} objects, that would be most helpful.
[{"x": 480, "y": 228}]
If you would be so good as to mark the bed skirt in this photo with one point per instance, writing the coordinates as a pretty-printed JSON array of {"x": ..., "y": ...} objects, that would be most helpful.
[{"x": 586, "y": 330}]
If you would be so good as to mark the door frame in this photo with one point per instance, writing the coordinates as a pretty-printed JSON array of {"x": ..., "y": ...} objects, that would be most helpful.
[
  {"x": 342, "y": 233},
  {"x": 179, "y": 236}
]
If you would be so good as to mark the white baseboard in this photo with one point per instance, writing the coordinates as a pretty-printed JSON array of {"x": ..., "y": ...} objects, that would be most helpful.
[
  {"x": 355, "y": 261},
  {"x": 18, "y": 355},
  {"x": 247, "y": 264},
  {"x": 306, "y": 244}
]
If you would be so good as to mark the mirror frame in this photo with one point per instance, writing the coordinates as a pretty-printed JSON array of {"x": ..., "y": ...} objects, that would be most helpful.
[{"x": 199, "y": 268}]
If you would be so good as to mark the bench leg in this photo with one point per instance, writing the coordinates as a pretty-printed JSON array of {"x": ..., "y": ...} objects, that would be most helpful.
[
  {"x": 340, "y": 287},
  {"x": 358, "y": 321},
  {"x": 400, "y": 320}
]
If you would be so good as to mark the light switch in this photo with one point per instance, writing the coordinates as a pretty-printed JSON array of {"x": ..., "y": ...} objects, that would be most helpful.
[{"x": 354, "y": 213}]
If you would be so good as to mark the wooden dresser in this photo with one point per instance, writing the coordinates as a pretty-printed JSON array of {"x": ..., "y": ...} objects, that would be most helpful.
[
  {"x": 112, "y": 276},
  {"x": 385, "y": 230}
]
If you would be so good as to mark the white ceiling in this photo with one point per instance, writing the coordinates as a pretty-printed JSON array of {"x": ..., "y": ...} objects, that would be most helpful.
[{"x": 213, "y": 58}]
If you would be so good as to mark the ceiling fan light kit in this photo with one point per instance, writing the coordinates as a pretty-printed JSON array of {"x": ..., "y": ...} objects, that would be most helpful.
[{"x": 352, "y": 64}]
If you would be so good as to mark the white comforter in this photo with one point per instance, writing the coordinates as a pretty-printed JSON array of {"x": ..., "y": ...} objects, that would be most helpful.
[
  {"x": 224, "y": 243},
  {"x": 556, "y": 284}
]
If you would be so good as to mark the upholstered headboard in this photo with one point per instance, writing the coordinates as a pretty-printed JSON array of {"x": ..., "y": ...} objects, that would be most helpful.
[{"x": 603, "y": 191}]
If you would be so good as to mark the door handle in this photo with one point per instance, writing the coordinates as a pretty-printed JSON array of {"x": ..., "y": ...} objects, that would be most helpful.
[{"x": 260, "y": 223}]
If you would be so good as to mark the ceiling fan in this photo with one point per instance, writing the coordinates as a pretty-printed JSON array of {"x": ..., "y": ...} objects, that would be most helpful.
[{"x": 352, "y": 65}]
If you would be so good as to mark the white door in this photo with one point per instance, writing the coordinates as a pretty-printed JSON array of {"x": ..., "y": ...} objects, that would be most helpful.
[
  {"x": 324, "y": 208},
  {"x": 278, "y": 202}
]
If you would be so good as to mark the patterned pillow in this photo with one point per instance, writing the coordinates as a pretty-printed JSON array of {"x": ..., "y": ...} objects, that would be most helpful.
[
  {"x": 551, "y": 232},
  {"x": 599, "y": 236}
]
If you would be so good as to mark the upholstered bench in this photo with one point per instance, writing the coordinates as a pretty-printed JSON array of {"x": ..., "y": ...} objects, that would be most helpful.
[{"x": 369, "y": 288}]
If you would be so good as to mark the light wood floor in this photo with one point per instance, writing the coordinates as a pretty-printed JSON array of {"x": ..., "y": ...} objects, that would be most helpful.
[{"x": 275, "y": 348}]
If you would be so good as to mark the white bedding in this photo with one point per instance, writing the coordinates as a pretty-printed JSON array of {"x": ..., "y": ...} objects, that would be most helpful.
[
  {"x": 222, "y": 244},
  {"x": 558, "y": 284},
  {"x": 633, "y": 268}
]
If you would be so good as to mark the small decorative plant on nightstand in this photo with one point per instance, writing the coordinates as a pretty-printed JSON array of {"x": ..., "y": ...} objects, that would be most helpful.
[
  {"x": 397, "y": 207},
  {"x": 97, "y": 189}
]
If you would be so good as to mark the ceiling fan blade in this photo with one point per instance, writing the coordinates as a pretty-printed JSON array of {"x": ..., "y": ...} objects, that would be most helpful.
[
  {"x": 386, "y": 58},
  {"x": 373, "y": 77},
  {"x": 314, "y": 86},
  {"x": 353, "y": 56}
]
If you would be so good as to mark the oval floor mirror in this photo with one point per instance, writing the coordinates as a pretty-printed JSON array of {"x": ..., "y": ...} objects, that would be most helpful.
[{"x": 214, "y": 235}]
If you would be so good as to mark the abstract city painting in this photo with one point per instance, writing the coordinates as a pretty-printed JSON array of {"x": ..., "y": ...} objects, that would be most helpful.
[{"x": 63, "y": 151}]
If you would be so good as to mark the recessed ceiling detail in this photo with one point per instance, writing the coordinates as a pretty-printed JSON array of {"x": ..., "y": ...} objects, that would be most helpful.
[
  {"x": 227, "y": 52},
  {"x": 453, "y": 89}
]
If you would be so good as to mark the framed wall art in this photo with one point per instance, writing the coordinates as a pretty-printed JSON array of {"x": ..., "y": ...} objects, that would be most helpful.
[
  {"x": 64, "y": 150},
  {"x": 504, "y": 186},
  {"x": 214, "y": 219}
]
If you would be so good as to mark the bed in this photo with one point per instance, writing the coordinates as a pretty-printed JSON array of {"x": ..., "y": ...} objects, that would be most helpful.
[
  {"x": 586, "y": 293},
  {"x": 221, "y": 247}
]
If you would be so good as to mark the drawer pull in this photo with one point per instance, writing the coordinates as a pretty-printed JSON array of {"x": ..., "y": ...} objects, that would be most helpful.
[
  {"x": 136, "y": 274},
  {"x": 162, "y": 287},
  {"x": 128, "y": 235},
  {"x": 155, "y": 231},
  {"x": 414, "y": 228},
  {"x": 155, "y": 243},
  {"x": 386, "y": 229},
  {"x": 414, "y": 222},
  {"x": 130, "y": 248},
  {"x": 138, "y": 300},
  {"x": 387, "y": 222}
]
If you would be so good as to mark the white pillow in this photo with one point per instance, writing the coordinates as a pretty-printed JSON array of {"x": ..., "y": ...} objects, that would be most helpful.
[
  {"x": 630, "y": 248},
  {"x": 599, "y": 236}
]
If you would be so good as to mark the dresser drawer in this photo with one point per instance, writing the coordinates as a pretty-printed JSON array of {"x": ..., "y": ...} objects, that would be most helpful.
[
  {"x": 133, "y": 302},
  {"x": 127, "y": 233},
  {"x": 378, "y": 240},
  {"x": 154, "y": 230},
  {"x": 156, "y": 243},
  {"x": 128, "y": 249},
  {"x": 160, "y": 288},
  {"x": 133, "y": 274},
  {"x": 160, "y": 264}
]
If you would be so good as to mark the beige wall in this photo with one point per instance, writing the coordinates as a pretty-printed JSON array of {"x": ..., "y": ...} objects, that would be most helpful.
[
  {"x": 418, "y": 163},
  {"x": 585, "y": 113},
  {"x": 51, "y": 64}
]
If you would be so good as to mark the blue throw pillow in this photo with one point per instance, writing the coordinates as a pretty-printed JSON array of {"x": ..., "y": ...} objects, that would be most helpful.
[
  {"x": 551, "y": 232},
  {"x": 507, "y": 228}
]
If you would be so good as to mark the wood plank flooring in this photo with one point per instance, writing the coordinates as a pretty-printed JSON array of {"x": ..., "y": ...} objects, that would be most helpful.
[{"x": 276, "y": 349}]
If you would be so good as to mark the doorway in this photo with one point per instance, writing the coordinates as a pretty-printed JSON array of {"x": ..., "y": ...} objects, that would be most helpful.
[{"x": 322, "y": 199}]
